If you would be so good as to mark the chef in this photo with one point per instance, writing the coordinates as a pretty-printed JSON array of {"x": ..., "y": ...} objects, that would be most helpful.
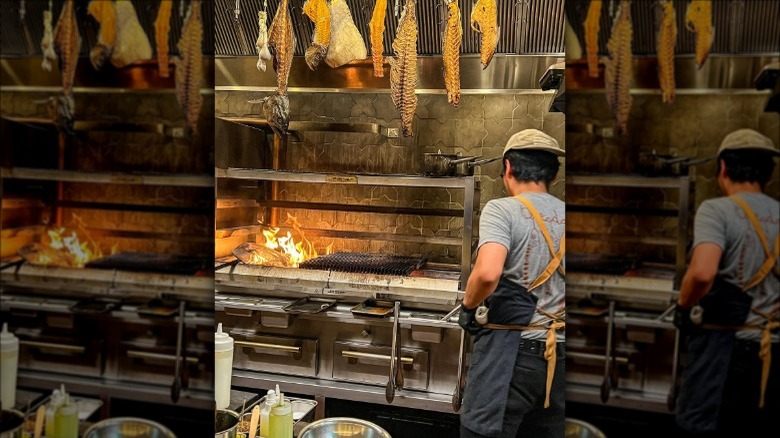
[
  {"x": 730, "y": 298},
  {"x": 515, "y": 385}
]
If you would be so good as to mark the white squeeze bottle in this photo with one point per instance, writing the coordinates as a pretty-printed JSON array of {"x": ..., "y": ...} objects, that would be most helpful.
[
  {"x": 265, "y": 414},
  {"x": 223, "y": 367},
  {"x": 9, "y": 362}
]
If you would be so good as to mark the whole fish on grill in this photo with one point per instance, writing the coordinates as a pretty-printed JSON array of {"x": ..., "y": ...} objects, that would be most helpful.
[
  {"x": 47, "y": 43},
  {"x": 319, "y": 13},
  {"x": 667, "y": 38},
  {"x": 105, "y": 15},
  {"x": 592, "y": 37},
  {"x": 376, "y": 28},
  {"x": 276, "y": 109},
  {"x": 189, "y": 71},
  {"x": 67, "y": 43},
  {"x": 132, "y": 44},
  {"x": 698, "y": 19},
  {"x": 451, "y": 53},
  {"x": 281, "y": 41},
  {"x": 162, "y": 26},
  {"x": 403, "y": 68},
  {"x": 617, "y": 69},
  {"x": 346, "y": 44},
  {"x": 261, "y": 45},
  {"x": 485, "y": 16}
]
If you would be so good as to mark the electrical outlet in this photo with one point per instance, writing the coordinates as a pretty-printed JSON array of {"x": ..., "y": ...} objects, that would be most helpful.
[{"x": 393, "y": 133}]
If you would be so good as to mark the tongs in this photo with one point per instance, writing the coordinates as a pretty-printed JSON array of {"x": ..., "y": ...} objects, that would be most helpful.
[{"x": 396, "y": 380}]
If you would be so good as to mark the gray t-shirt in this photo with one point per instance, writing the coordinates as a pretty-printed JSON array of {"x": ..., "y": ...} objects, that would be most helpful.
[
  {"x": 506, "y": 221},
  {"x": 723, "y": 222}
]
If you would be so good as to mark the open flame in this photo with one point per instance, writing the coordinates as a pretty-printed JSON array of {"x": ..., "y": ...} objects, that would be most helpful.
[
  {"x": 65, "y": 248},
  {"x": 286, "y": 251}
]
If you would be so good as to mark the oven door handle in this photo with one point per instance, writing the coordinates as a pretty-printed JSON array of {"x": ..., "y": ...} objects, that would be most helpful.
[
  {"x": 135, "y": 354},
  {"x": 263, "y": 345},
  {"x": 65, "y": 347},
  {"x": 374, "y": 356}
]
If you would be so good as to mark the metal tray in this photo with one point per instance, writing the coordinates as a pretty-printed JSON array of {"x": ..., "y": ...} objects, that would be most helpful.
[
  {"x": 309, "y": 305},
  {"x": 375, "y": 308}
]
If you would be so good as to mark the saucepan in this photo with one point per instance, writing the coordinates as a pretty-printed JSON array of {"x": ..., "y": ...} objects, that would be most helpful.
[{"x": 438, "y": 164}]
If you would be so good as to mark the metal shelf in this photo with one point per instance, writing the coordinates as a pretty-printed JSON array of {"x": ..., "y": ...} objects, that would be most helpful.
[
  {"x": 107, "y": 126},
  {"x": 349, "y": 234},
  {"x": 177, "y": 180},
  {"x": 345, "y": 178},
  {"x": 618, "y": 180},
  {"x": 303, "y": 126}
]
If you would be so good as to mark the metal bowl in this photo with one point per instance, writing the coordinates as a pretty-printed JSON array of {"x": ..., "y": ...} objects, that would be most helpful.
[
  {"x": 343, "y": 427},
  {"x": 128, "y": 427},
  {"x": 581, "y": 429}
]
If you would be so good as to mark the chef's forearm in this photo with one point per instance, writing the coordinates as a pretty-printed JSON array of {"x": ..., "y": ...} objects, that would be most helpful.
[
  {"x": 693, "y": 288},
  {"x": 477, "y": 289}
]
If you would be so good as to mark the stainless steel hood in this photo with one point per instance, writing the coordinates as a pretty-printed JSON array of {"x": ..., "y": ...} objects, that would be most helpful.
[{"x": 527, "y": 27}]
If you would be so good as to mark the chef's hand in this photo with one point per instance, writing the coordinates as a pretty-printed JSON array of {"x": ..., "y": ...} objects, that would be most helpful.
[
  {"x": 682, "y": 318},
  {"x": 467, "y": 322}
]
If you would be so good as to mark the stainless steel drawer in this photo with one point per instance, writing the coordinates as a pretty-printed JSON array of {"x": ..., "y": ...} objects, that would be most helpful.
[
  {"x": 66, "y": 355},
  {"x": 367, "y": 363},
  {"x": 275, "y": 354},
  {"x": 151, "y": 364}
]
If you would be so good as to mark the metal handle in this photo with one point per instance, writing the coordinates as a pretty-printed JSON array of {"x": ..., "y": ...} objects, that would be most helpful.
[
  {"x": 286, "y": 348},
  {"x": 135, "y": 354},
  {"x": 457, "y": 396},
  {"x": 384, "y": 357},
  {"x": 622, "y": 360},
  {"x": 606, "y": 386},
  {"x": 66, "y": 347}
]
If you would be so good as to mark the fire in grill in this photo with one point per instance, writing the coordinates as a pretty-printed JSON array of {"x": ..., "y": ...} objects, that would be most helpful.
[{"x": 382, "y": 264}]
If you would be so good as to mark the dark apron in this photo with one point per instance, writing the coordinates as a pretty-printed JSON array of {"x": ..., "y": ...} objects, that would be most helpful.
[
  {"x": 709, "y": 355},
  {"x": 493, "y": 359}
]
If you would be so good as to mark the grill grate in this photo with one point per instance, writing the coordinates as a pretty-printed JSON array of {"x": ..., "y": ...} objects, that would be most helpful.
[{"x": 382, "y": 264}]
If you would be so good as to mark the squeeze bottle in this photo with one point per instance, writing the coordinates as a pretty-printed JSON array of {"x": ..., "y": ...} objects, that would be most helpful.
[
  {"x": 9, "y": 362},
  {"x": 223, "y": 367}
]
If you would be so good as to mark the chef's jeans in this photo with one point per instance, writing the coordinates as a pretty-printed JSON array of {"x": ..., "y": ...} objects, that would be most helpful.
[
  {"x": 739, "y": 411},
  {"x": 525, "y": 414}
]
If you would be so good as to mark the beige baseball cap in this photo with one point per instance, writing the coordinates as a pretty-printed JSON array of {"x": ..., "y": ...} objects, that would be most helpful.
[
  {"x": 747, "y": 139},
  {"x": 533, "y": 139}
]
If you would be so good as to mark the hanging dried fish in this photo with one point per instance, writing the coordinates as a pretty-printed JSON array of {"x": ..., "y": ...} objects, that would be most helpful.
[
  {"x": 47, "y": 43},
  {"x": 485, "y": 16},
  {"x": 451, "y": 53},
  {"x": 261, "y": 45},
  {"x": 132, "y": 44},
  {"x": 403, "y": 68},
  {"x": 61, "y": 109},
  {"x": 67, "y": 43},
  {"x": 667, "y": 38},
  {"x": 319, "y": 13},
  {"x": 592, "y": 37},
  {"x": 189, "y": 71},
  {"x": 105, "y": 14},
  {"x": 346, "y": 44},
  {"x": 162, "y": 26},
  {"x": 276, "y": 110},
  {"x": 617, "y": 69},
  {"x": 698, "y": 19},
  {"x": 281, "y": 41},
  {"x": 376, "y": 28}
]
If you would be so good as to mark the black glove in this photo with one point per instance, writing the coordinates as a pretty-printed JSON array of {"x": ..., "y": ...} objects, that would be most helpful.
[
  {"x": 682, "y": 318},
  {"x": 467, "y": 322}
]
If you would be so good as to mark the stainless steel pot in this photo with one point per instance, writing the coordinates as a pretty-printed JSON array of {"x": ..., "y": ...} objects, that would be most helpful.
[
  {"x": 226, "y": 424},
  {"x": 11, "y": 424},
  {"x": 580, "y": 429},
  {"x": 127, "y": 427},
  {"x": 343, "y": 427}
]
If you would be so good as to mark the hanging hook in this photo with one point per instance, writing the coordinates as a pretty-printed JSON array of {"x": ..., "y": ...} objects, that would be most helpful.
[
  {"x": 22, "y": 11},
  {"x": 237, "y": 11}
]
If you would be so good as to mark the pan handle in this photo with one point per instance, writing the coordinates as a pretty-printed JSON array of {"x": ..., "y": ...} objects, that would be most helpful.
[
  {"x": 485, "y": 161},
  {"x": 463, "y": 160}
]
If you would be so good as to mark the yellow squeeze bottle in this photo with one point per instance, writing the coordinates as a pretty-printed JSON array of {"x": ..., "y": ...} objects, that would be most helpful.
[{"x": 281, "y": 418}]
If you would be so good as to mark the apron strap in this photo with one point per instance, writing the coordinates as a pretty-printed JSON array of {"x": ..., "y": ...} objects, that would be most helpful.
[
  {"x": 771, "y": 256},
  {"x": 557, "y": 256},
  {"x": 550, "y": 343}
]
